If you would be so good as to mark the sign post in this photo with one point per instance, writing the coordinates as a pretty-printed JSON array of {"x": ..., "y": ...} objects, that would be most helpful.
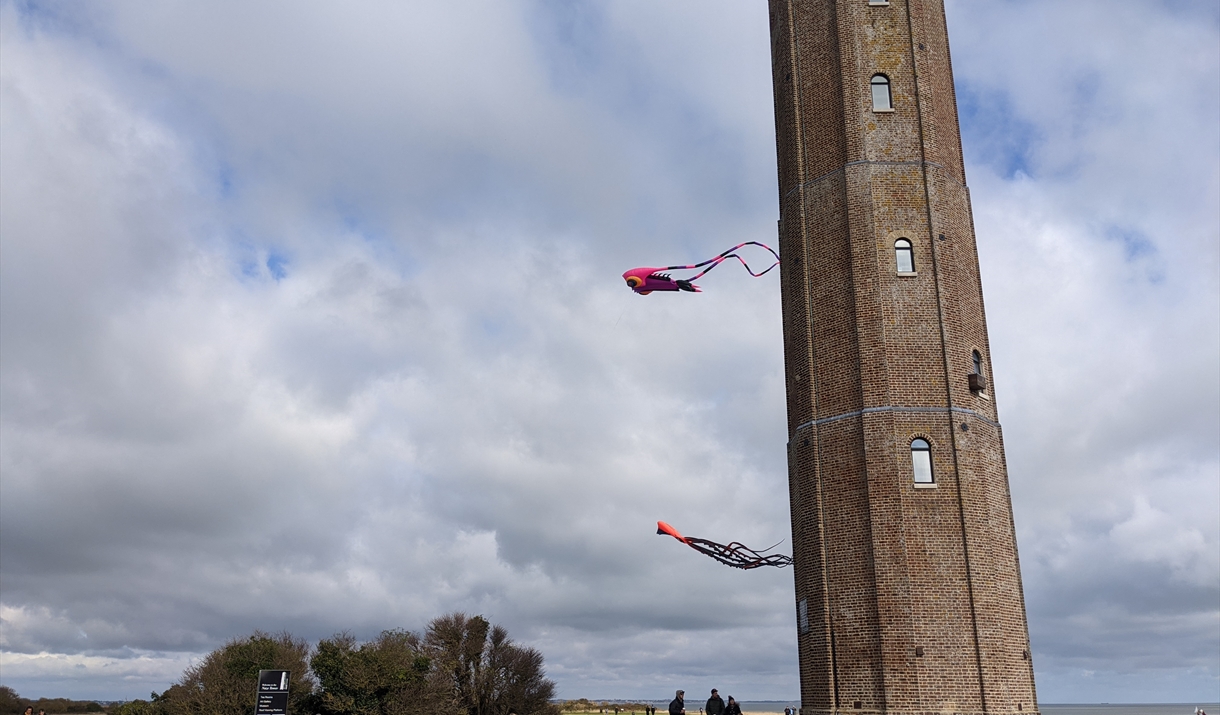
[{"x": 272, "y": 697}]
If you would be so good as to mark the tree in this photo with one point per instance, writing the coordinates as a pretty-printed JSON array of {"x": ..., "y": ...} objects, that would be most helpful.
[
  {"x": 10, "y": 701},
  {"x": 387, "y": 676},
  {"x": 486, "y": 672},
  {"x": 224, "y": 682}
]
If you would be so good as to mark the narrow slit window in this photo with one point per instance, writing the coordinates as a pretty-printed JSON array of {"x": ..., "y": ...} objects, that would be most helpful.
[
  {"x": 921, "y": 461},
  {"x": 978, "y": 362},
  {"x": 881, "y": 93},
  {"x": 904, "y": 256}
]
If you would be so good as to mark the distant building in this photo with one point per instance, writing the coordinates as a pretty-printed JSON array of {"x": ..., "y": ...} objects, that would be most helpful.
[{"x": 908, "y": 587}]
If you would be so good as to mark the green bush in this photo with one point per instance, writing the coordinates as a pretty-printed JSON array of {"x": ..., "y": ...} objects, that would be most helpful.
[
  {"x": 227, "y": 679},
  {"x": 135, "y": 707},
  {"x": 387, "y": 676}
]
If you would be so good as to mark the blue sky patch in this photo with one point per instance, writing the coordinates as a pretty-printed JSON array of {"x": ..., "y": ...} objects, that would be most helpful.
[
  {"x": 1136, "y": 244},
  {"x": 994, "y": 134},
  {"x": 277, "y": 265}
]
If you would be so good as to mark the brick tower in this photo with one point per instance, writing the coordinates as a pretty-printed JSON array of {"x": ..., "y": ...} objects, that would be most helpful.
[{"x": 907, "y": 582}]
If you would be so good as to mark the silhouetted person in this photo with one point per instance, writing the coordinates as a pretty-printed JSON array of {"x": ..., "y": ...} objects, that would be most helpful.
[
  {"x": 715, "y": 705},
  {"x": 677, "y": 706}
]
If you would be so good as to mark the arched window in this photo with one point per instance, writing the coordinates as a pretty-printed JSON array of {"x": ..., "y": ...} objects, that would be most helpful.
[
  {"x": 921, "y": 461},
  {"x": 904, "y": 256},
  {"x": 978, "y": 383},
  {"x": 881, "y": 93}
]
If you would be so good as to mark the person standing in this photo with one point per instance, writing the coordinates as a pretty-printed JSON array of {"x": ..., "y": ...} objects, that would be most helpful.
[
  {"x": 715, "y": 705},
  {"x": 732, "y": 708},
  {"x": 678, "y": 705}
]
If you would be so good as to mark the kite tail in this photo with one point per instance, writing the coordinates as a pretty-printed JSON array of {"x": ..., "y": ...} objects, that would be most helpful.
[
  {"x": 737, "y": 555},
  {"x": 734, "y": 554},
  {"x": 725, "y": 256}
]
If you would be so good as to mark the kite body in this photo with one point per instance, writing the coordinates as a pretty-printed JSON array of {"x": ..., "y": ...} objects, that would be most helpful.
[
  {"x": 733, "y": 554},
  {"x": 645, "y": 280}
]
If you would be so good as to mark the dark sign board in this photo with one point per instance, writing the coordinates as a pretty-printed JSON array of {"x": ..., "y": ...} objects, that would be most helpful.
[{"x": 272, "y": 698}]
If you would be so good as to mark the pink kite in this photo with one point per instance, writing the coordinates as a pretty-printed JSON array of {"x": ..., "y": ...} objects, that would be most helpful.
[
  {"x": 734, "y": 554},
  {"x": 645, "y": 280}
]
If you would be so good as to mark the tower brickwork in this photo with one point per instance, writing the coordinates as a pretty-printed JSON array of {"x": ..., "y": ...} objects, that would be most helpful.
[{"x": 909, "y": 595}]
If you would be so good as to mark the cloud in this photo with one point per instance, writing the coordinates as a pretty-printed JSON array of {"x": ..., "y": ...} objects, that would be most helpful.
[
  {"x": 142, "y": 673},
  {"x": 1098, "y": 244},
  {"x": 311, "y": 321}
]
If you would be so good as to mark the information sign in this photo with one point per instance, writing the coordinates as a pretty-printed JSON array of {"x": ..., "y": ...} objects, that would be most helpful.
[{"x": 272, "y": 698}]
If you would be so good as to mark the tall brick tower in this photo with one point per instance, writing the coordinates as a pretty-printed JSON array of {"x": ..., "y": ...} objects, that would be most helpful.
[{"x": 907, "y": 582}]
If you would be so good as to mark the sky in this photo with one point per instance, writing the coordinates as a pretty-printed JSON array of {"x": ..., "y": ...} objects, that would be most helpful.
[{"x": 311, "y": 320}]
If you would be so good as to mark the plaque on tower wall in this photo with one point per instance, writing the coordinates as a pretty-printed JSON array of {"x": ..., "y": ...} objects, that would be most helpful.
[{"x": 272, "y": 696}]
